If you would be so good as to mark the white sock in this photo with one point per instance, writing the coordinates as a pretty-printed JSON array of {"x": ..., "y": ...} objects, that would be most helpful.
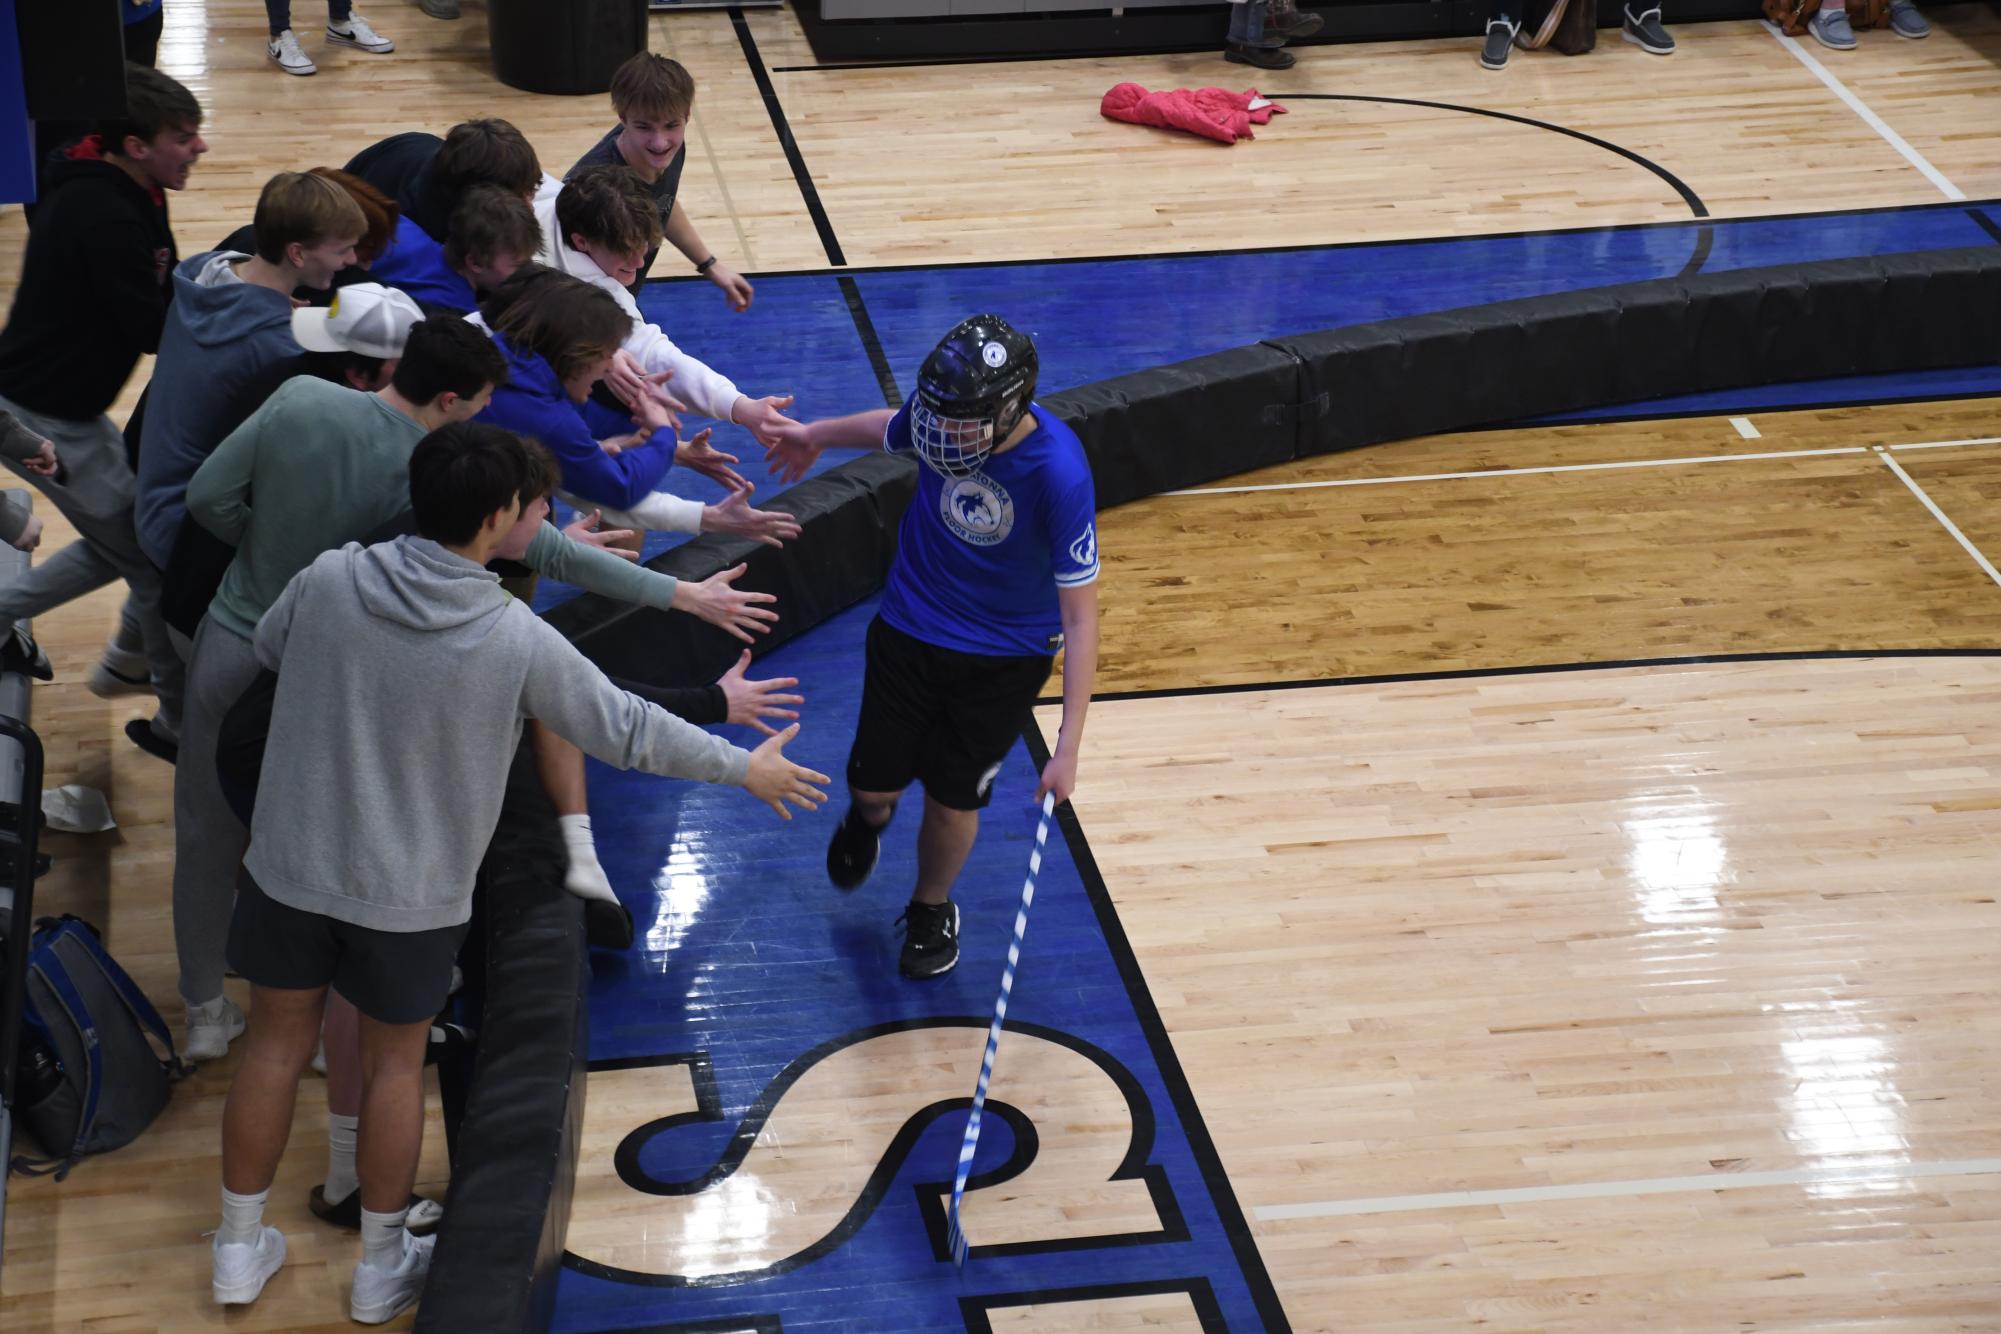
[
  {"x": 341, "y": 1181},
  {"x": 586, "y": 879},
  {"x": 242, "y": 1218},
  {"x": 382, "y": 1238}
]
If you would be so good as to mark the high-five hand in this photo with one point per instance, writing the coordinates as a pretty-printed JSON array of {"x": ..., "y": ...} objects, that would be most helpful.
[
  {"x": 775, "y": 780},
  {"x": 584, "y": 528},
  {"x": 698, "y": 455},
  {"x": 731, "y": 609},
  {"x": 735, "y": 516},
  {"x": 751, "y": 702}
]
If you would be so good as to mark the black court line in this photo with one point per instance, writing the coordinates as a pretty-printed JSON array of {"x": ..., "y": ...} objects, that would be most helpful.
[
  {"x": 1222, "y": 1195},
  {"x": 1688, "y": 196},
  {"x": 1986, "y": 223},
  {"x": 1535, "y": 669},
  {"x": 851, "y": 292},
  {"x": 815, "y": 209}
]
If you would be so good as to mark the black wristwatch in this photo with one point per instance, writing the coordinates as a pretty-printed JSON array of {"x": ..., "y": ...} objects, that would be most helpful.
[{"x": 706, "y": 265}]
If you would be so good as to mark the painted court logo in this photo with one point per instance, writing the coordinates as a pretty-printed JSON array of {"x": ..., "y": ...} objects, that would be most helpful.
[{"x": 977, "y": 510}]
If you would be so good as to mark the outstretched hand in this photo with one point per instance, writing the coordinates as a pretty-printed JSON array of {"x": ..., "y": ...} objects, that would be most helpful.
[
  {"x": 751, "y": 702},
  {"x": 727, "y": 608},
  {"x": 775, "y": 780},
  {"x": 698, "y": 455},
  {"x": 789, "y": 449},
  {"x": 734, "y": 515},
  {"x": 762, "y": 417},
  {"x": 584, "y": 528}
]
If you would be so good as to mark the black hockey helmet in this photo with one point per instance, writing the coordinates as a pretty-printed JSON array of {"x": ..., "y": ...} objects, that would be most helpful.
[{"x": 971, "y": 393}]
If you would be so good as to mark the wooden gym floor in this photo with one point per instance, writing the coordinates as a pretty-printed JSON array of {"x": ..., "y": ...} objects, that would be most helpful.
[{"x": 1583, "y": 999}]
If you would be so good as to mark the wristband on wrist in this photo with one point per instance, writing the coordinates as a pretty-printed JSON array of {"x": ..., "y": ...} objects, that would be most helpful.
[{"x": 706, "y": 265}]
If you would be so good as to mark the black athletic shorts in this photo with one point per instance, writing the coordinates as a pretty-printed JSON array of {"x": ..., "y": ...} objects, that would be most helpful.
[
  {"x": 944, "y": 718},
  {"x": 393, "y": 977}
]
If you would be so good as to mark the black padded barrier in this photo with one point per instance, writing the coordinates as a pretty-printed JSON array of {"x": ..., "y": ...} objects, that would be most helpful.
[
  {"x": 1541, "y": 355},
  {"x": 515, "y": 1151}
]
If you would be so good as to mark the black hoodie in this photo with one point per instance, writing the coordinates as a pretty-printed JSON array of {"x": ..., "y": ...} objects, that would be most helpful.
[
  {"x": 400, "y": 167},
  {"x": 94, "y": 290}
]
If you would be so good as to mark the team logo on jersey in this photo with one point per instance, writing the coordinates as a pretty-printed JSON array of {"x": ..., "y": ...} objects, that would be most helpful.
[
  {"x": 977, "y": 510},
  {"x": 1084, "y": 551}
]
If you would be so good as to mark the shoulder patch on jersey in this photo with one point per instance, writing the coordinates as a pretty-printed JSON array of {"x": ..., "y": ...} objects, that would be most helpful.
[{"x": 1084, "y": 551}]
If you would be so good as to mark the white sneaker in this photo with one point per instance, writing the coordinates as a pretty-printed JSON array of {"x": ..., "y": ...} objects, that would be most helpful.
[
  {"x": 284, "y": 48},
  {"x": 241, "y": 1270},
  {"x": 211, "y": 1028},
  {"x": 357, "y": 34},
  {"x": 384, "y": 1294}
]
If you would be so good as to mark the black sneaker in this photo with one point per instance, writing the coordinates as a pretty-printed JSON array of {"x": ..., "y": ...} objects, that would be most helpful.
[
  {"x": 1500, "y": 36},
  {"x": 141, "y": 734},
  {"x": 1645, "y": 31},
  {"x": 930, "y": 938},
  {"x": 1264, "y": 57},
  {"x": 851, "y": 853}
]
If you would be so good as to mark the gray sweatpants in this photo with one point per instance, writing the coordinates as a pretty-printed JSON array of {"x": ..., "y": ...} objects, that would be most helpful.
[
  {"x": 209, "y": 841},
  {"x": 96, "y": 497}
]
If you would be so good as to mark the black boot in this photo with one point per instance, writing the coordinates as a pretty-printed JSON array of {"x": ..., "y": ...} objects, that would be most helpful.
[
  {"x": 1285, "y": 17},
  {"x": 1264, "y": 57}
]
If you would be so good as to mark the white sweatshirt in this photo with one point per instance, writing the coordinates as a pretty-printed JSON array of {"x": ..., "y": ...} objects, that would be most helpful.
[{"x": 706, "y": 391}]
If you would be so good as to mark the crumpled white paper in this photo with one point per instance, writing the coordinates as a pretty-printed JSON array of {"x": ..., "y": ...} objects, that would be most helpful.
[{"x": 76, "y": 809}]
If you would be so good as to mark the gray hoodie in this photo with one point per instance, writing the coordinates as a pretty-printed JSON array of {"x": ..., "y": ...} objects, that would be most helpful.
[
  {"x": 404, "y": 675},
  {"x": 221, "y": 332}
]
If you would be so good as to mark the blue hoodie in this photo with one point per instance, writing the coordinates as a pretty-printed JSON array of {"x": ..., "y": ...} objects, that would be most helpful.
[
  {"x": 221, "y": 333},
  {"x": 533, "y": 403},
  {"x": 415, "y": 265}
]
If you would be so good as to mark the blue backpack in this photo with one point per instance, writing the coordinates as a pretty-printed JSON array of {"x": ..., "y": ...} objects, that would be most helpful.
[{"x": 95, "y": 1077}]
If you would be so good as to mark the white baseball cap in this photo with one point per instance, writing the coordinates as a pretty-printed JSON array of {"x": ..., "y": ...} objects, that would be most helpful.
[{"x": 367, "y": 318}]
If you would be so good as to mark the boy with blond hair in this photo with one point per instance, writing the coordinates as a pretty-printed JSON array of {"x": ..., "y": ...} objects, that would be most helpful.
[{"x": 653, "y": 97}]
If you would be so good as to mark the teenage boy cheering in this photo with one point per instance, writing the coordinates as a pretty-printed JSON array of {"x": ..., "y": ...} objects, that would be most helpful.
[
  {"x": 653, "y": 97},
  {"x": 404, "y": 677},
  {"x": 93, "y": 297},
  {"x": 996, "y": 568}
]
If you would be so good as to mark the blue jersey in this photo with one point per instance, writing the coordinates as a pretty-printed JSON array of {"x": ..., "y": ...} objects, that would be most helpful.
[{"x": 979, "y": 558}]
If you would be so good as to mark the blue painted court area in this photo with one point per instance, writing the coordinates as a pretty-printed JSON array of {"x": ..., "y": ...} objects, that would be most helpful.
[
  {"x": 1094, "y": 319},
  {"x": 748, "y": 957}
]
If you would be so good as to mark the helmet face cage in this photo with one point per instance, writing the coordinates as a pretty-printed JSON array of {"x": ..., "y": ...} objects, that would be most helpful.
[{"x": 951, "y": 446}]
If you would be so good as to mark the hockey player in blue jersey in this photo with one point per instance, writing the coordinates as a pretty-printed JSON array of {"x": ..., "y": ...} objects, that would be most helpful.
[{"x": 996, "y": 569}]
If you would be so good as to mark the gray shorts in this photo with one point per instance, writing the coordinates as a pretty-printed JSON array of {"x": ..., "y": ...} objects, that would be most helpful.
[{"x": 393, "y": 977}]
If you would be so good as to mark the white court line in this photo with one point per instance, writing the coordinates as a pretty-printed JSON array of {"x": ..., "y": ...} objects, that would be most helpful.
[
  {"x": 1953, "y": 444},
  {"x": 1593, "y": 1190},
  {"x": 1745, "y": 429},
  {"x": 1571, "y": 467},
  {"x": 1513, "y": 473},
  {"x": 1939, "y": 514},
  {"x": 1860, "y": 108}
]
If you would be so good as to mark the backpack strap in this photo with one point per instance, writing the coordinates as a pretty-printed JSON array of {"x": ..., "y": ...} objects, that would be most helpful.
[
  {"x": 143, "y": 1011},
  {"x": 57, "y": 979}
]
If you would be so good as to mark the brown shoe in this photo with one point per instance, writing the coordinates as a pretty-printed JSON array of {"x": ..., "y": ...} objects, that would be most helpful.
[
  {"x": 1264, "y": 57},
  {"x": 1285, "y": 17}
]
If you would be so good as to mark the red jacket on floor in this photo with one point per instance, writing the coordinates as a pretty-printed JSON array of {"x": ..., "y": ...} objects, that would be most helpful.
[{"x": 1213, "y": 113}]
